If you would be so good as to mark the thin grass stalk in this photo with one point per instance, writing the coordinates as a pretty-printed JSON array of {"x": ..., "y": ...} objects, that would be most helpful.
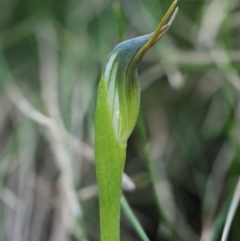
[{"x": 133, "y": 220}]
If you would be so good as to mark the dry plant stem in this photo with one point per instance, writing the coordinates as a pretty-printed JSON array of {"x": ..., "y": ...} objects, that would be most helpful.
[
  {"x": 116, "y": 115},
  {"x": 15, "y": 95},
  {"x": 49, "y": 80}
]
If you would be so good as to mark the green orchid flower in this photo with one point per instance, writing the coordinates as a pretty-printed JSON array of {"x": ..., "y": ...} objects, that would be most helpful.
[{"x": 116, "y": 115}]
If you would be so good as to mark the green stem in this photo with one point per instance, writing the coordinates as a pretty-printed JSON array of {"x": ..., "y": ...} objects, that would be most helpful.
[{"x": 110, "y": 161}]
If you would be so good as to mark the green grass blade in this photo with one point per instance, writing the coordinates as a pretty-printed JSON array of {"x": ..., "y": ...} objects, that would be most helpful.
[{"x": 133, "y": 220}]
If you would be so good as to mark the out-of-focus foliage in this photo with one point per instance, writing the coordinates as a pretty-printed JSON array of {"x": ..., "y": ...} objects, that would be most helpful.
[{"x": 183, "y": 156}]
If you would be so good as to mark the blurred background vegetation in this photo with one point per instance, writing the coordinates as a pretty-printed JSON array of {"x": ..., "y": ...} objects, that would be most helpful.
[{"x": 182, "y": 166}]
